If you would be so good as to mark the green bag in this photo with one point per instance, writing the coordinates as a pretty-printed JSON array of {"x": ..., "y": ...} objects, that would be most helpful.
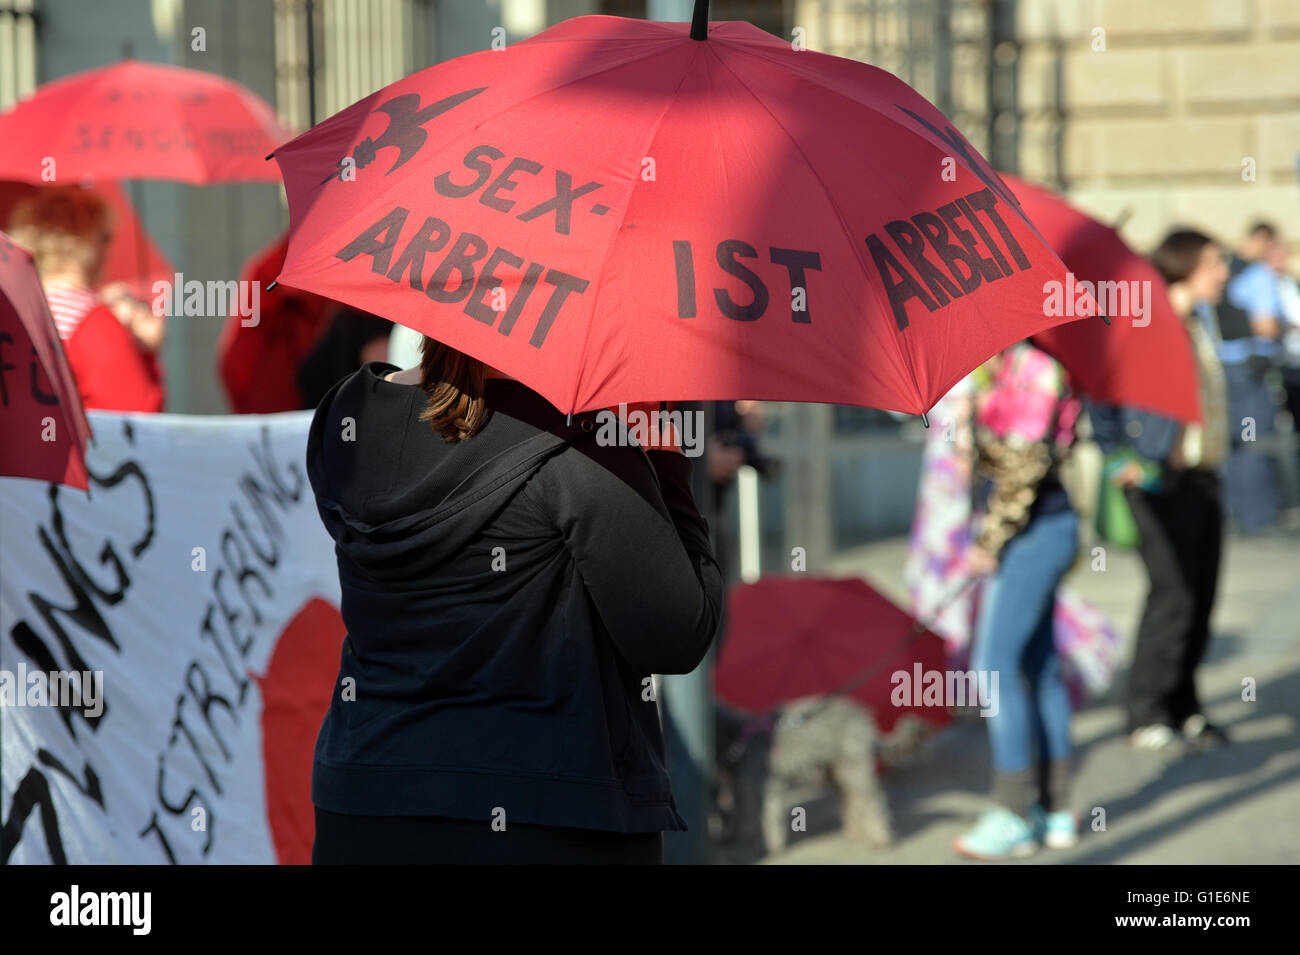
[{"x": 1115, "y": 524}]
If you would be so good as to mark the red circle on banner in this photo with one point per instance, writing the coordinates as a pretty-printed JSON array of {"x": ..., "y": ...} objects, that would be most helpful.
[{"x": 296, "y": 690}]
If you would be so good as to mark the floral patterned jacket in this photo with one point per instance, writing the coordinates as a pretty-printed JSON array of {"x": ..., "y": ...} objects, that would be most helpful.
[{"x": 1025, "y": 415}]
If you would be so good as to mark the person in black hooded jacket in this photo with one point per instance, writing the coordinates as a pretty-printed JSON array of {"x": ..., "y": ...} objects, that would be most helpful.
[{"x": 510, "y": 581}]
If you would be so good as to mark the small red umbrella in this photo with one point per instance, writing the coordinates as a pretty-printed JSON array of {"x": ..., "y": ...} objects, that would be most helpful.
[
  {"x": 43, "y": 428},
  {"x": 1141, "y": 360},
  {"x": 614, "y": 210},
  {"x": 132, "y": 256},
  {"x": 134, "y": 120},
  {"x": 789, "y": 637},
  {"x": 256, "y": 362}
]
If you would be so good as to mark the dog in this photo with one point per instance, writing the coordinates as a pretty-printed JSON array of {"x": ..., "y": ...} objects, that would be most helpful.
[{"x": 809, "y": 744}]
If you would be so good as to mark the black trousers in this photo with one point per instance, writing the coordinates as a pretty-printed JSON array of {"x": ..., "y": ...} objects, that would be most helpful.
[
  {"x": 437, "y": 840},
  {"x": 1181, "y": 542}
]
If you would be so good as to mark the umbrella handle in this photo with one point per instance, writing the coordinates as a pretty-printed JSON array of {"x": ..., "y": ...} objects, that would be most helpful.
[{"x": 700, "y": 20}]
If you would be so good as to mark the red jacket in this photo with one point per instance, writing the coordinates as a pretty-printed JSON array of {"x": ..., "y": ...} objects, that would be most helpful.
[{"x": 112, "y": 372}]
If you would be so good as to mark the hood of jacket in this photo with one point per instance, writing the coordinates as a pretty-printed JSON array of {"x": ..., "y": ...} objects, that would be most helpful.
[{"x": 398, "y": 499}]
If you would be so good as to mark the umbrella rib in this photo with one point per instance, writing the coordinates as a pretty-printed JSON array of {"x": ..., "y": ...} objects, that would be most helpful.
[
  {"x": 839, "y": 217},
  {"x": 609, "y": 248}
]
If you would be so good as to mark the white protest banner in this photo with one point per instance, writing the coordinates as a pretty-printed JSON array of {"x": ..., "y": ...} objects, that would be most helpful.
[{"x": 168, "y": 645}]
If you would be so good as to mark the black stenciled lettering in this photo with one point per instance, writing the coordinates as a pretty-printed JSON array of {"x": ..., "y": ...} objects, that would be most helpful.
[
  {"x": 179, "y": 727},
  {"x": 242, "y": 570},
  {"x": 229, "y": 613},
  {"x": 910, "y": 240},
  {"x": 685, "y": 267},
  {"x": 473, "y": 160},
  {"x": 32, "y": 793},
  {"x": 111, "y": 593},
  {"x": 728, "y": 252},
  {"x": 797, "y": 263},
  {"x": 87, "y": 784},
  {"x": 190, "y": 797},
  {"x": 475, "y": 308},
  {"x": 953, "y": 255},
  {"x": 153, "y": 827},
  {"x": 561, "y": 202},
  {"x": 988, "y": 267},
  {"x": 503, "y": 183},
  {"x": 526, "y": 285},
  {"x": 271, "y": 557},
  {"x": 564, "y": 285},
  {"x": 467, "y": 251},
  {"x": 36, "y": 374},
  {"x": 205, "y": 699},
  {"x": 377, "y": 241},
  {"x": 433, "y": 235},
  {"x": 282, "y": 493},
  {"x": 987, "y": 239},
  {"x": 899, "y": 289},
  {"x": 209, "y": 632},
  {"x": 985, "y": 201}
]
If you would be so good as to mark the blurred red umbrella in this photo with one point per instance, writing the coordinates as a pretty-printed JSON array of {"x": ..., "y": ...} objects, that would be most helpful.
[
  {"x": 134, "y": 120},
  {"x": 43, "y": 428},
  {"x": 256, "y": 363},
  {"x": 132, "y": 256},
  {"x": 1141, "y": 360},
  {"x": 789, "y": 637}
]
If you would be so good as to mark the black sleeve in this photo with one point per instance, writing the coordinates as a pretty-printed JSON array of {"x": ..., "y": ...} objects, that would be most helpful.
[{"x": 641, "y": 547}]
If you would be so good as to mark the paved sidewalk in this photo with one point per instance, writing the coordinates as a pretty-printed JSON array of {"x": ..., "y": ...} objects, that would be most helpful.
[{"x": 1240, "y": 804}]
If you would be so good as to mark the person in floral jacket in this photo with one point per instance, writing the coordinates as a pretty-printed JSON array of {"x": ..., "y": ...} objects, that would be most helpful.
[{"x": 1026, "y": 538}]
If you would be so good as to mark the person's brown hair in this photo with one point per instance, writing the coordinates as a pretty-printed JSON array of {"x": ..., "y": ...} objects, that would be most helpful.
[
  {"x": 453, "y": 382},
  {"x": 63, "y": 226},
  {"x": 1179, "y": 254}
]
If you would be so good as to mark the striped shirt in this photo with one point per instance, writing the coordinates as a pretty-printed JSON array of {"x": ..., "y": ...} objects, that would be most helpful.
[{"x": 69, "y": 304}]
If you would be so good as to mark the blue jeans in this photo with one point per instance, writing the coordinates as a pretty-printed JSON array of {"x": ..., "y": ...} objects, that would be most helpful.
[
  {"x": 1014, "y": 638},
  {"x": 1249, "y": 479}
]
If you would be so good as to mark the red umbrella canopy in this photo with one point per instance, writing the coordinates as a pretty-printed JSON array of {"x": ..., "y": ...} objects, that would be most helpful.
[
  {"x": 789, "y": 637},
  {"x": 256, "y": 362},
  {"x": 132, "y": 256},
  {"x": 134, "y": 120},
  {"x": 1144, "y": 357},
  {"x": 43, "y": 428},
  {"x": 612, "y": 211}
]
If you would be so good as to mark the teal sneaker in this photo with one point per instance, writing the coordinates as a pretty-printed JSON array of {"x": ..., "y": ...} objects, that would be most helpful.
[
  {"x": 1056, "y": 830},
  {"x": 999, "y": 834}
]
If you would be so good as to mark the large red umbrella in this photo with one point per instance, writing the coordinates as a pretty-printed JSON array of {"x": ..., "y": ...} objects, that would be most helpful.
[
  {"x": 132, "y": 256},
  {"x": 256, "y": 362},
  {"x": 1144, "y": 360},
  {"x": 134, "y": 120},
  {"x": 789, "y": 637},
  {"x": 614, "y": 211},
  {"x": 43, "y": 428}
]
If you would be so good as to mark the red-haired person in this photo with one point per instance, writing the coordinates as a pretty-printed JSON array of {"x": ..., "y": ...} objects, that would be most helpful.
[{"x": 111, "y": 346}]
